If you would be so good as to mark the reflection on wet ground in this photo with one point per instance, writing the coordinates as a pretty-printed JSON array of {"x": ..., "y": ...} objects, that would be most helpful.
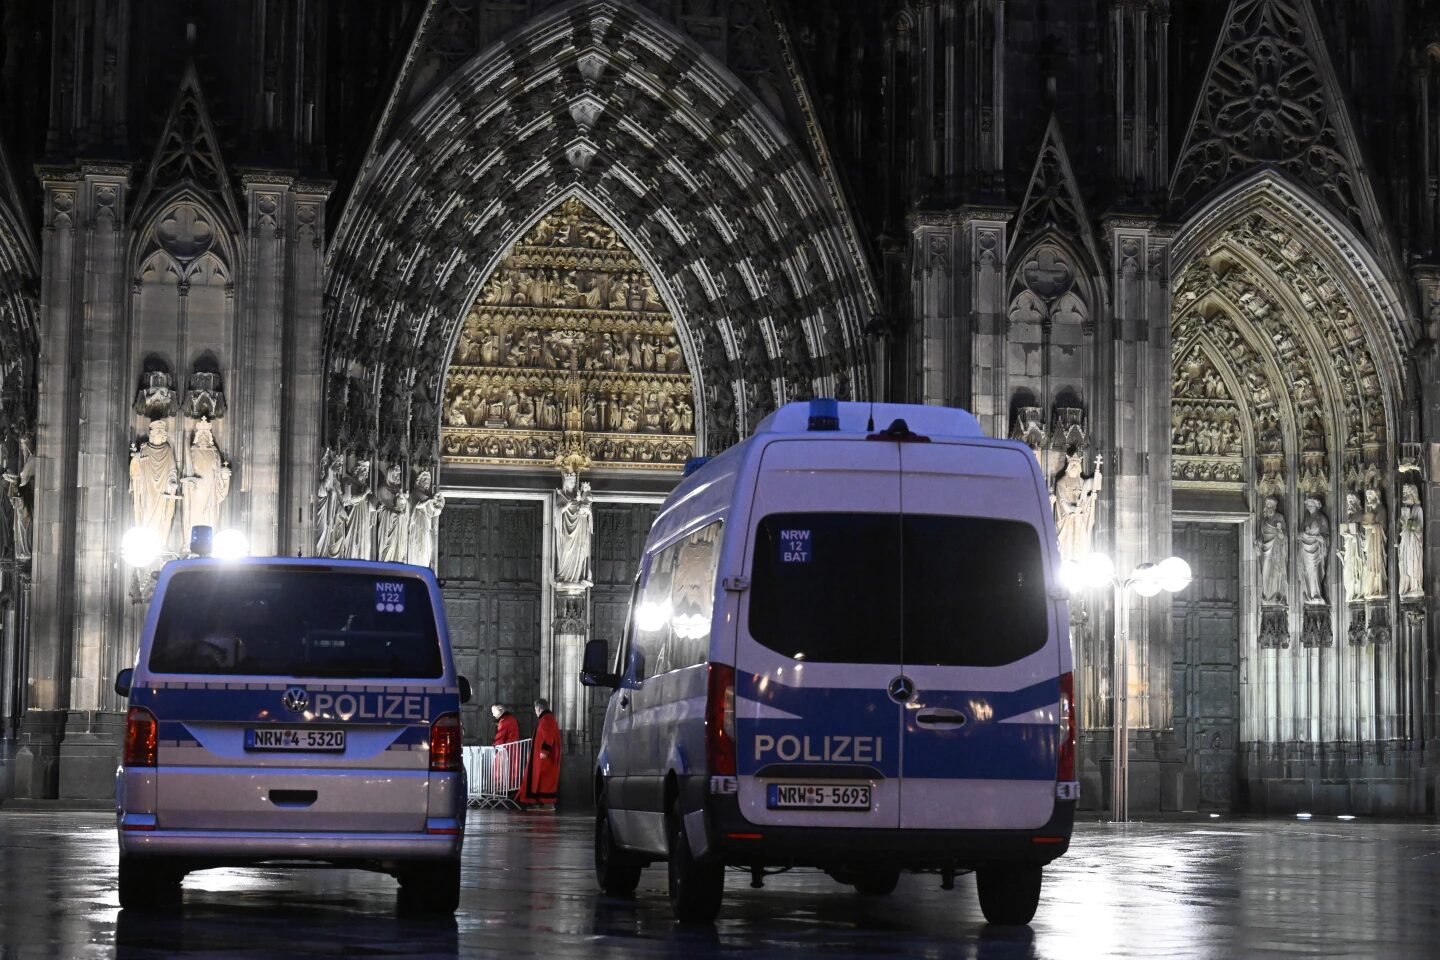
[{"x": 1221, "y": 889}]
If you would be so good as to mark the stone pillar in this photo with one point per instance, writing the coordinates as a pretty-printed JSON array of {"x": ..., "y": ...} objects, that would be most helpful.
[
  {"x": 939, "y": 355},
  {"x": 259, "y": 405},
  {"x": 1427, "y": 359},
  {"x": 1139, "y": 475},
  {"x": 303, "y": 370},
  {"x": 982, "y": 295}
]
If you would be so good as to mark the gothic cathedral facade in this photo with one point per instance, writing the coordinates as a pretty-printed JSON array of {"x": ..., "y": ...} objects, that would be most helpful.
[{"x": 465, "y": 282}]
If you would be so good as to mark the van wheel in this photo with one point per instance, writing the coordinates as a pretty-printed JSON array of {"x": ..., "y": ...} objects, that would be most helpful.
[
  {"x": 430, "y": 890},
  {"x": 145, "y": 885},
  {"x": 617, "y": 872},
  {"x": 695, "y": 886},
  {"x": 1009, "y": 893},
  {"x": 876, "y": 883}
]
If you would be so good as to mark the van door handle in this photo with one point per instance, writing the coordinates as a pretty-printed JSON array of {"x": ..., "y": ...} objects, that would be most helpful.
[{"x": 940, "y": 717}]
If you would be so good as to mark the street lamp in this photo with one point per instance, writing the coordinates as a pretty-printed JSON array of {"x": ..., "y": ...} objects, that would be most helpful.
[{"x": 1097, "y": 570}]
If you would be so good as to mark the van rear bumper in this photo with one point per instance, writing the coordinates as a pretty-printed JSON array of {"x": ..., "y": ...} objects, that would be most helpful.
[
  {"x": 738, "y": 842},
  {"x": 225, "y": 847}
]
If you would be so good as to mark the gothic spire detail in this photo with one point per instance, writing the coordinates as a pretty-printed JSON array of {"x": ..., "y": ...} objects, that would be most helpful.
[
  {"x": 189, "y": 151},
  {"x": 1052, "y": 200},
  {"x": 1270, "y": 98}
]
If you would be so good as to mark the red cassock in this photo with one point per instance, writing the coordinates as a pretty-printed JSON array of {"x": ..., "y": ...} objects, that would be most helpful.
[
  {"x": 507, "y": 764},
  {"x": 542, "y": 776}
]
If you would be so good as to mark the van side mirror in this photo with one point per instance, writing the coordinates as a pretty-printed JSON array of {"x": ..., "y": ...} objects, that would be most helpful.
[
  {"x": 595, "y": 668},
  {"x": 465, "y": 692},
  {"x": 123, "y": 680}
]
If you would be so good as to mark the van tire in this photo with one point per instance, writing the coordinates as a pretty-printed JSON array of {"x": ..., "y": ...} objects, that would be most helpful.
[
  {"x": 430, "y": 890},
  {"x": 145, "y": 885},
  {"x": 617, "y": 873},
  {"x": 880, "y": 882},
  {"x": 696, "y": 886},
  {"x": 1009, "y": 893}
]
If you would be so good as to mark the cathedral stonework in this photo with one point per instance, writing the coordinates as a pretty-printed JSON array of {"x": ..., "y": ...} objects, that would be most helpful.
[
  {"x": 465, "y": 283},
  {"x": 569, "y": 350}
]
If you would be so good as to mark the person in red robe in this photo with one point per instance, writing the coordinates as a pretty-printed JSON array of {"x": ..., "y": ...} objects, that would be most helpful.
[
  {"x": 542, "y": 775},
  {"x": 507, "y": 762}
]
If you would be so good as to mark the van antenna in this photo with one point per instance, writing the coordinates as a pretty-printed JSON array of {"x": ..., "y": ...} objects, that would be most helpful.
[{"x": 870, "y": 424}]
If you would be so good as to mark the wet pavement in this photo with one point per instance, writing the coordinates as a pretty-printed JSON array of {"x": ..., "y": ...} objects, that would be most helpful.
[{"x": 1243, "y": 888}]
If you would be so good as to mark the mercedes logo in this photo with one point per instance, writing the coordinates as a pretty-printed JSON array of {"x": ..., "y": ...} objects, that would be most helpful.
[
  {"x": 296, "y": 699},
  {"x": 902, "y": 688}
]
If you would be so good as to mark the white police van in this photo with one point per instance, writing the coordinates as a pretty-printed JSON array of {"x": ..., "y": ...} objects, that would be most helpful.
[
  {"x": 297, "y": 711},
  {"x": 847, "y": 649}
]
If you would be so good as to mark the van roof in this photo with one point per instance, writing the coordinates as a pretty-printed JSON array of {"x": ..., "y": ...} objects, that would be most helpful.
[
  {"x": 311, "y": 563},
  {"x": 856, "y": 417}
]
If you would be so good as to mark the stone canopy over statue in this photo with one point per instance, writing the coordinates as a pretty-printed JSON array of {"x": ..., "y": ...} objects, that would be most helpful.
[{"x": 1074, "y": 501}]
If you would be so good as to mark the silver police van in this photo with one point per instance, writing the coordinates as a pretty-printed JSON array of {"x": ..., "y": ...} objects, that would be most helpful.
[
  {"x": 293, "y": 711},
  {"x": 847, "y": 649}
]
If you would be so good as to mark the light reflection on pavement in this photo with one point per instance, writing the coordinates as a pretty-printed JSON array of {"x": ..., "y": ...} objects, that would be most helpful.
[{"x": 1245, "y": 888}]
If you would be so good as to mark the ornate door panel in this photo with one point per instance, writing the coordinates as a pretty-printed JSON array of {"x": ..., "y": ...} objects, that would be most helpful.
[
  {"x": 1206, "y": 672},
  {"x": 620, "y": 531},
  {"x": 490, "y": 565}
]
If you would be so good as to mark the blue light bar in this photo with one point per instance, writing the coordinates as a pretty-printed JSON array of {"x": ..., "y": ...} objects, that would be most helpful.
[{"x": 824, "y": 414}]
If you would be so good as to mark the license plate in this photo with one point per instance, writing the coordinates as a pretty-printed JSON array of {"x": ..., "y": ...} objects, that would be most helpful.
[
  {"x": 812, "y": 796},
  {"x": 293, "y": 738}
]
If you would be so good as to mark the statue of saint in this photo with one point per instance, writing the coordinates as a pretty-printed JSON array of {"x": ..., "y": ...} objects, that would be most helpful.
[
  {"x": 208, "y": 484},
  {"x": 1412, "y": 542},
  {"x": 574, "y": 526},
  {"x": 1274, "y": 554},
  {"x": 329, "y": 531},
  {"x": 393, "y": 509},
  {"x": 15, "y": 484},
  {"x": 1313, "y": 546},
  {"x": 1352, "y": 550},
  {"x": 1373, "y": 536},
  {"x": 155, "y": 483},
  {"x": 1074, "y": 502},
  {"x": 354, "y": 516},
  {"x": 425, "y": 507}
]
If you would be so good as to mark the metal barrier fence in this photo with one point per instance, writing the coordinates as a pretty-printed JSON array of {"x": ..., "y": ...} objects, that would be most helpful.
[{"x": 495, "y": 773}]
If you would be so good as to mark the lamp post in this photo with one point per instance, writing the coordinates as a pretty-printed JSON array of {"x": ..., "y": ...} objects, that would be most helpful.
[{"x": 1098, "y": 570}]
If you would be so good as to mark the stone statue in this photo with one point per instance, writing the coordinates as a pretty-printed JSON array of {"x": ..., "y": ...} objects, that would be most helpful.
[
  {"x": 1312, "y": 544},
  {"x": 425, "y": 507},
  {"x": 155, "y": 483},
  {"x": 1274, "y": 554},
  {"x": 574, "y": 526},
  {"x": 208, "y": 483},
  {"x": 15, "y": 484},
  {"x": 1411, "y": 565},
  {"x": 1352, "y": 550},
  {"x": 1074, "y": 503},
  {"x": 329, "y": 532},
  {"x": 392, "y": 513},
  {"x": 354, "y": 516},
  {"x": 1373, "y": 536}
]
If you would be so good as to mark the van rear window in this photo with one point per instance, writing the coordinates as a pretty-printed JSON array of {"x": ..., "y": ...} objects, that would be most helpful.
[
  {"x": 912, "y": 589},
  {"x": 296, "y": 623}
]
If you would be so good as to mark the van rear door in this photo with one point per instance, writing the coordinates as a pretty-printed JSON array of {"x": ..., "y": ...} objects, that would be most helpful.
[
  {"x": 818, "y": 737},
  {"x": 982, "y": 640}
]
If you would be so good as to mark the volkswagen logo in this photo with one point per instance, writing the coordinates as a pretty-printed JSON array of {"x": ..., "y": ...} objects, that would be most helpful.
[
  {"x": 296, "y": 699},
  {"x": 901, "y": 689}
]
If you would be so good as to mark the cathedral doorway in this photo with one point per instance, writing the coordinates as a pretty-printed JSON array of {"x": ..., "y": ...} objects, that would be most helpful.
[{"x": 1207, "y": 666}]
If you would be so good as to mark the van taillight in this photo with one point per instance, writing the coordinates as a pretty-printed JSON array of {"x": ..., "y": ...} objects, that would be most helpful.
[
  {"x": 445, "y": 734},
  {"x": 142, "y": 735},
  {"x": 1066, "y": 766},
  {"x": 720, "y": 720}
]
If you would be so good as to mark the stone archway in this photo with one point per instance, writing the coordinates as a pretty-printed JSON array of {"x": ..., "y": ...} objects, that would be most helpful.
[
  {"x": 1290, "y": 416},
  {"x": 600, "y": 98}
]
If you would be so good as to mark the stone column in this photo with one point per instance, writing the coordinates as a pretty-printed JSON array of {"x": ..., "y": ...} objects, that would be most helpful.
[
  {"x": 303, "y": 371},
  {"x": 1139, "y": 476},
  {"x": 939, "y": 355},
  {"x": 259, "y": 405},
  {"x": 1427, "y": 359},
  {"x": 982, "y": 296}
]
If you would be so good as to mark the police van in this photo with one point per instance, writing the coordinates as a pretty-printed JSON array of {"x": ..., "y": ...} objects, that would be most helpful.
[
  {"x": 295, "y": 711},
  {"x": 846, "y": 649}
]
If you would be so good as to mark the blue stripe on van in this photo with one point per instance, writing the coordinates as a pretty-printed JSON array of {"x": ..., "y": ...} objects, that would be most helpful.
[
  {"x": 267, "y": 706},
  {"x": 830, "y": 719}
]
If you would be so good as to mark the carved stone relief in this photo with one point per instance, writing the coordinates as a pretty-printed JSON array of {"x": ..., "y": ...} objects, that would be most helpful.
[{"x": 568, "y": 345}]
